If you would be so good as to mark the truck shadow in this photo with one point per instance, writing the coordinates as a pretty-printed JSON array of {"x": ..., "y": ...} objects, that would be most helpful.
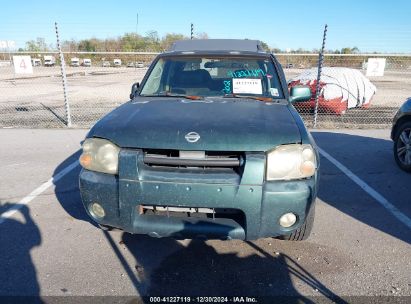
[
  {"x": 372, "y": 160},
  {"x": 67, "y": 190},
  {"x": 18, "y": 275},
  {"x": 198, "y": 269}
]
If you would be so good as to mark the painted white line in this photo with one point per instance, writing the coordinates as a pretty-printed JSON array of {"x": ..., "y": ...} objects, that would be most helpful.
[
  {"x": 374, "y": 194},
  {"x": 36, "y": 192},
  {"x": 12, "y": 165}
]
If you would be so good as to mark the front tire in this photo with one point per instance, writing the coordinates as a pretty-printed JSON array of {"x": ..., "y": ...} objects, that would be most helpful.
[{"x": 402, "y": 147}]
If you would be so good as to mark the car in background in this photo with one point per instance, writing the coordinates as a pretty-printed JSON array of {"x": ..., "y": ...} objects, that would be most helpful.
[
  {"x": 75, "y": 62},
  {"x": 209, "y": 146},
  {"x": 87, "y": 62},
  {"x": 36, "y": 62},
  {"x": 105, "y": 64},
  {"x": 401, "y": 135},
  {"x": 117, "y": 62},
  {"x": 340, "y": 89},
  {"x": 49, "y": 61},
  {"x": 139, "y": 65},
  {"x": 130, "y": 65}
]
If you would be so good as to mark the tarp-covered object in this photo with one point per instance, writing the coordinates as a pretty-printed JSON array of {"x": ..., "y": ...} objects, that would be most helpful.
[{"x": 340, "y": 89}]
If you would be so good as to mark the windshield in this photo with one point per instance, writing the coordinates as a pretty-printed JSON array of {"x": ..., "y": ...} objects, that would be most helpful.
[{"x": 213, "y": 76}]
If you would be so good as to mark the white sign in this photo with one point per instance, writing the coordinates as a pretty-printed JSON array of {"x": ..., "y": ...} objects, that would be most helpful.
[
  {"x": 375, "y": 67},
  {"x": 22, "y": 65},
  {"x": 247, "y": 86},
  {"x": 274, "y": 92}
]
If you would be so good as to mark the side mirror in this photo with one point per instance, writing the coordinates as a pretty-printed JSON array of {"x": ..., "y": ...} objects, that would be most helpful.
[
  {"x": 134, "y": 89},
  {"x": 300, "y": 93}
]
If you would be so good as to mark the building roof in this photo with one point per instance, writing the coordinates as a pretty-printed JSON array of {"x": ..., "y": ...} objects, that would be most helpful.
[{"x": 217, "y": 45}]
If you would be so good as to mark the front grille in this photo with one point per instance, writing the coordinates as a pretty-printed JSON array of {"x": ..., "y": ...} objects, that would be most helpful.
[{"x": 193, "y": 159}]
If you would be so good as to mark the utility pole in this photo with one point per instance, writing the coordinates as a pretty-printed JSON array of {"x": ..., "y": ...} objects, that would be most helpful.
[{"x": 192, "y": 31}]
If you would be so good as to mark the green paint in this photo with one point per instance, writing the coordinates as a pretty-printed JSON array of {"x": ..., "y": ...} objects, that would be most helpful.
[{"x": 246, "y": 73}]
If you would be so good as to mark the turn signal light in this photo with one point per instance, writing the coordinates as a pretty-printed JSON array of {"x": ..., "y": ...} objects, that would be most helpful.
[{"x": 85, "y": 160}]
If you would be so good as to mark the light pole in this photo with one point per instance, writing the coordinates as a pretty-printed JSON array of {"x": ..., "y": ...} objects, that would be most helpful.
[{"x": 135, "y": 49}]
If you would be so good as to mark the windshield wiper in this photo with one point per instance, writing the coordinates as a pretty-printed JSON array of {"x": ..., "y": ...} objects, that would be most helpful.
[
  {"x": 192, "y": 97},
  {"x": 168, "y": 94},
  {"x": 260, "y": 98}
]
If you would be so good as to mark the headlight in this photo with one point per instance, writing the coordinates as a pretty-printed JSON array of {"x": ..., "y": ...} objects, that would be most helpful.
[
  {"x": 291, "y": 162},
  {"x": 100, "y": 155}
]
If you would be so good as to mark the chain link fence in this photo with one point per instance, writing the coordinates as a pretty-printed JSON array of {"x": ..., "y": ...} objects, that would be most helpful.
[{"x": 98, "y": 82}]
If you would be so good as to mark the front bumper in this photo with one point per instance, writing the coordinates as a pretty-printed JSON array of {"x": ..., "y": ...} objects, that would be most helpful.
[{"x": 261, "y": 203}]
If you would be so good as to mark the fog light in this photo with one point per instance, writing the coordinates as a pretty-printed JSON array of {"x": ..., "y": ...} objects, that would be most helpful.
[
  {"x": 97, "y": 210},
  {"x": 288, "y": 219}
]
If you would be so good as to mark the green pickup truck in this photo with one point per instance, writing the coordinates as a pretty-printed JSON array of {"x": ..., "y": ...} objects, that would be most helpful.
[{"x": 209, "y": 146}]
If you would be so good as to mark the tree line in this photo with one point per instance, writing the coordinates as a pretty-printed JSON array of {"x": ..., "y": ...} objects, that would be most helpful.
[{"x": 150, "y": 42}]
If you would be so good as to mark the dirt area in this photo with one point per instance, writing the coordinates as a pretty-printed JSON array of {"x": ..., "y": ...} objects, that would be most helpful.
[{"x": 94, "y": 85}]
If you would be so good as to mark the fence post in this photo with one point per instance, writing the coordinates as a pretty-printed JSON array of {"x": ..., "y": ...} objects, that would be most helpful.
[
  {"x": 12, "y": 65},
  {"x": 63, "y": 76},
  {"x": 317, "y": 86}
]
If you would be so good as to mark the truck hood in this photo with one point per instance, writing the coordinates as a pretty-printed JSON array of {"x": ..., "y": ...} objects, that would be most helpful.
[{"x": 223, "y": 124}]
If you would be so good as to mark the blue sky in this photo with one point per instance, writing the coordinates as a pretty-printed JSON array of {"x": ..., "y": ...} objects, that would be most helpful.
[{"x": 383, "y": 26}]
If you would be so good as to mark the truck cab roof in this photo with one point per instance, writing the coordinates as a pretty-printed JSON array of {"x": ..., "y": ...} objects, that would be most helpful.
[{"x": 217, "y": 46}]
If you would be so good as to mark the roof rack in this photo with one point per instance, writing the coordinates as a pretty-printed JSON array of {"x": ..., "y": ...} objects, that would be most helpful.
[{"x": 217, "y": 45}]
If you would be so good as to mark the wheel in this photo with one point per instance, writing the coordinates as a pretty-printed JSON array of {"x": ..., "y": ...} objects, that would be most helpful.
[
  {"x": 304, "y": 231},
  {"x": 402, "y": 147}
]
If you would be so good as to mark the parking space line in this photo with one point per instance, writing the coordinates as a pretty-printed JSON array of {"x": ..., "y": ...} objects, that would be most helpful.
[
  {"x": 374, "y": 194},
  {"x": 36, "y": 192}
]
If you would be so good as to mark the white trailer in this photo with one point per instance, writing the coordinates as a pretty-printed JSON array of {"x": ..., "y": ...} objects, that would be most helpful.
[
  {"x": 35, "y": 62},
  {"x": 49, "y": 60},
  {"x": 75, "y": 62},
  {"x": 87, "y": 62}
]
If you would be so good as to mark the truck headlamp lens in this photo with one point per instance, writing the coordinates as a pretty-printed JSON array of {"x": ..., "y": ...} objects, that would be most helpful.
[
  {"x": 100, "y": 155},
  {"x": 293, "y": 161}
]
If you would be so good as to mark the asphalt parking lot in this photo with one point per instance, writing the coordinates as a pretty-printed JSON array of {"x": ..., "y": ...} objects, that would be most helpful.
[{"x": 360, "y": 246}]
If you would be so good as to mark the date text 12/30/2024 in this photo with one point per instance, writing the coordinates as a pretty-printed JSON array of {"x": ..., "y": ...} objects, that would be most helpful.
[{"x": 203, "y": 300}]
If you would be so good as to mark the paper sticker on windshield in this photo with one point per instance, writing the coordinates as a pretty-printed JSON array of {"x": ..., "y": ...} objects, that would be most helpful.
[
  {"x": 247, "y": 86},
  {"x": 274, "y": 92}
]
